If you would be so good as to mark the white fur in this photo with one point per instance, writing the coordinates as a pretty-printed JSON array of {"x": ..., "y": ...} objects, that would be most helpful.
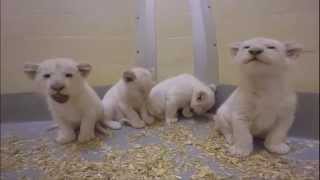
[
  {"x": 180, "y": 92},
  {"x": 82, "y": 110},
  {"x": 125, "y": 101},
  {"x": 264, "y": 103}
]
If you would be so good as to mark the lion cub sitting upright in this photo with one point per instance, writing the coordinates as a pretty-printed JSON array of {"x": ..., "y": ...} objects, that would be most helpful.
[
  {"x": 72, "y": 102},
  {"x": 183, "y": 92},
  {"x": 264, "y": 103},
  {"x": 125, "y": 101}
]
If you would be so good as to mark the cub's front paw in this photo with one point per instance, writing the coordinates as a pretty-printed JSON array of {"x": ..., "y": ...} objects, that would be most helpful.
[
  {"x": 63, "y": 139},
  {"x": 85, "y": 137},
  {"x": 229, "y": 138},
  {"x": 240, "y": 151},
  {"x": 149, "y": 120},
  {"x": 187, "y": 113},
  {"x": 170, "y": 121},
  {"x": 113, "y": 124},
  {"x": 137, "y": 124},
  {"x": 279, "y": 148}
]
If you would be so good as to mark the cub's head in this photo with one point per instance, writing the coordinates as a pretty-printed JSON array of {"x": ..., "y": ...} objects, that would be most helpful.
[
  {"x": 59, "y": 78},
  {"x": 203, "y": 99},
  {"x": 138, "y": 79},
  {"x": 264, "y": 56}
]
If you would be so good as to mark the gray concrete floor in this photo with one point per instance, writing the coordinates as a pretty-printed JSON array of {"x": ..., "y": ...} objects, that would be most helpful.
[{"x": 303, "y": 150}]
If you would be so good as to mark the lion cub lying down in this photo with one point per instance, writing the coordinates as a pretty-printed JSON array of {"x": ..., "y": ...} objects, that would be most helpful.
[
  {"x": 181, "y": 92},
  {"x": 264, "y": 103},
  {"x": 72, "y": 102},
  {"x": 125, "y": 101}
]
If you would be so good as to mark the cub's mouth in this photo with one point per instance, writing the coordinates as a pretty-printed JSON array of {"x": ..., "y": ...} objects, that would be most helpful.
[
  {"x": 255, "y": 59},
  {"x": 60, "y": 98}
]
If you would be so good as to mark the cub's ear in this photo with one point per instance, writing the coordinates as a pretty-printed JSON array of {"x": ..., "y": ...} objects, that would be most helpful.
[
  {"x": 84, "y": 69},
  {"x": 293, "y": 50},
  {"x": 213, "y": 87},
  {"x": 201, "y": 96},
  {"x": 234, "y": 48},
  {"x": 128, "y": 76},
  {"x": 30, "y": 70}
]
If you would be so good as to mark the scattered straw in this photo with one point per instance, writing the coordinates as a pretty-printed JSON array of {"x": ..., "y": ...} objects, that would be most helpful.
[
  {"x": 148, "y": 161},
  {"x": 12, "y": 154},
  {"x": 177, "y": 134},
  {"x": 204, "y": 173},
  {"x": 260, "y": 164}
]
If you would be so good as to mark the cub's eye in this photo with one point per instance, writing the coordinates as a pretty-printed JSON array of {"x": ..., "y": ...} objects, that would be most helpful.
[
  {"x": 271, "y": 47},
  {"x": 46, "y": 76},
  {"x": 246, "y": 47},
  {"x": 69, "y": 75}
]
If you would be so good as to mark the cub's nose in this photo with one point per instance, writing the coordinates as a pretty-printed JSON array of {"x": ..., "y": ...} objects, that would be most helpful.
[
  {"x": 255, "y": 51},
  {"x": 57, "y": 86}
]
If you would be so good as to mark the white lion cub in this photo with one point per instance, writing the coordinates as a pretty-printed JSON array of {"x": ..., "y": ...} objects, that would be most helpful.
[
  {"x": 125, "y": 101},
  {"x": 181, "y": 92},
  {"x": 264, "y": 103},
  {"x": 72, "y": 102}
]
